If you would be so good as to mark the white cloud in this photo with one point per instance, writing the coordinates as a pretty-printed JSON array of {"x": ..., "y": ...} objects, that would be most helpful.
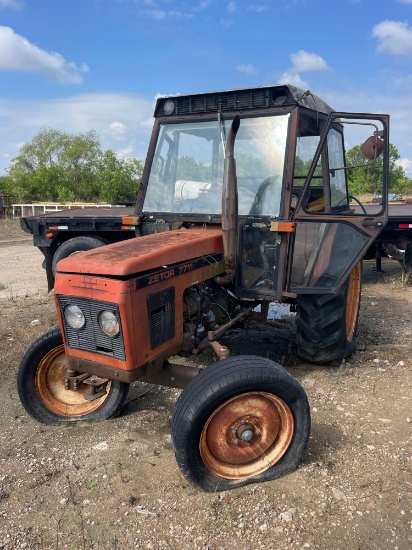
[
  {"x": 308, "y": 62},
  {"x": 126, "y": 152},
  {"x": 289, "y": 77},
  {"x": 231, "y": 6},
  {"x": 394, "y": 37},
  {"x": 357, "y": 100},
  {"x": 303, "y": 62},
  {"x": 405, "y": 1},
  {"x": 405, "y": 163},
  {"x": 118, "y": 129},
  {"x": 247, "y": 68},
  {"x": 104, "y": 112},
  {"x": 18, "y": 54},
  {"x": 13, "y": 4}
]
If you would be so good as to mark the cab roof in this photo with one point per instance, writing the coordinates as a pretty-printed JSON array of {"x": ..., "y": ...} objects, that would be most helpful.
[{"x": 284, "y": 95}]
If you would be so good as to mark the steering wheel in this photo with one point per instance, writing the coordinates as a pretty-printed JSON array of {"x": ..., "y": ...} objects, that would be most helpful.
[{"x": 257, "y": 202}]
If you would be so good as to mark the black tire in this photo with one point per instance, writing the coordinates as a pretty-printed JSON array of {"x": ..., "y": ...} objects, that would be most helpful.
[
  {"x": 326, "y": 324},
  {"x": 74, "y": 246},
  {"x": 204, "y": 406},
  {"x": 407, "y": 259},
  {"x": 40, "y": 384}
]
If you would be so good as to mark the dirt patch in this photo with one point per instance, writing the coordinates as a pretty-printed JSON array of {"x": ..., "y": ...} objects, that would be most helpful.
[{"x": 115, "y": 485}]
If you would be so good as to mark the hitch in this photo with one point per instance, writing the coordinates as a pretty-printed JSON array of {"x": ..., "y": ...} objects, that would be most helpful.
[{"x": 97, "y": 385}]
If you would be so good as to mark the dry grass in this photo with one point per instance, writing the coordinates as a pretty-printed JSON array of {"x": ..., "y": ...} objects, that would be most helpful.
[
  {"x": 16, "y": 331},
  {"x": 10, "y": 229}
]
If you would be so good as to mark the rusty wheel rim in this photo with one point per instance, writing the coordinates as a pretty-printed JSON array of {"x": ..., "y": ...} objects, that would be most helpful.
[
  {"x": 353, "y": 301},
  {"x": 49, "y": 381},
  {"x": 246, "y": 435}
]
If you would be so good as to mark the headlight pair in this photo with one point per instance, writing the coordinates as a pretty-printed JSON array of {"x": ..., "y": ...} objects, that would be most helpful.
[{"x": 107, "y": 320}]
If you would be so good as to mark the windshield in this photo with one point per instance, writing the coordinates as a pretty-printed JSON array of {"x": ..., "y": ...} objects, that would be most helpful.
[{"x": 187, "y": 169}]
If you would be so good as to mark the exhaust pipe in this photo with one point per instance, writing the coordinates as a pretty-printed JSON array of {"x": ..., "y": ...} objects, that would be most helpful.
[{"x": 230, "y": 207}]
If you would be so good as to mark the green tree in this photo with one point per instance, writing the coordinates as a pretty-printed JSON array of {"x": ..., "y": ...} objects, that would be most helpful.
[
  {"x": 58, "y": 166},
  {"x": 119, "y": 178},
  {"x": 4, "y": 185},
  {"x": 190, "y": 169},
  {"x": 368, "y": 178}
]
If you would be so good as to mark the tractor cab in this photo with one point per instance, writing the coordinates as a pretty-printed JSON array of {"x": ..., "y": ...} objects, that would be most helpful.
[{"x": 298, "y": 227}]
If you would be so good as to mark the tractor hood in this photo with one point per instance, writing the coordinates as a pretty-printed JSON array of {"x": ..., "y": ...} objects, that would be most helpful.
[{"x": 150, "y": 252}]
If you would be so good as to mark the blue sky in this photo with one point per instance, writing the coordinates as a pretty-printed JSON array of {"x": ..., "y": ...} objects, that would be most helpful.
[{"x": 78, "y": 65}]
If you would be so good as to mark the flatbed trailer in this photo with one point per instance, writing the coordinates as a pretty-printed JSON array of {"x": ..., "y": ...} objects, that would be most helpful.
[
  {"x": 396, "y": 237},
  {"x": 63, "y": 233},
  {"x": 84, "y": 229}
]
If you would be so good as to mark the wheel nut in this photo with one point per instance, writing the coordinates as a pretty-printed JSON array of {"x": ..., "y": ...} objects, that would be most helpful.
[
  {"x": 247, "y": 435},
  {"x": 235, "y": 442}
]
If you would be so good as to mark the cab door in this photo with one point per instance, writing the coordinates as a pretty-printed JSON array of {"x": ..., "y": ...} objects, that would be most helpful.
[{"x": 343, "y": 205}]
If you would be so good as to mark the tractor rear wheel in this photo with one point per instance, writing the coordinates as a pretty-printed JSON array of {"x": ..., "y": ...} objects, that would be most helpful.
[
  {"x": 241, "y": 420},
  {"x": 42, "y": 390},
  {"x": 327, "y": 323}
]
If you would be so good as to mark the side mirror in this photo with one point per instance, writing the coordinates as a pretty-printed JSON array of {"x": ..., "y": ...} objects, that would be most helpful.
[{"x": 372, "y": 148}]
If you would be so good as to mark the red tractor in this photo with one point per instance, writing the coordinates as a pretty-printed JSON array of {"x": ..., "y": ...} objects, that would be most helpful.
[{"x": 215, "y": 240}]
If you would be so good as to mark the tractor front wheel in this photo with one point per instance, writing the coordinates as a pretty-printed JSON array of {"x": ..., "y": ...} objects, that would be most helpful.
[
  {"x": 241, "y": 420},
  {"x": 327, "y": 323},
  {"x": 42, "y": 388}
]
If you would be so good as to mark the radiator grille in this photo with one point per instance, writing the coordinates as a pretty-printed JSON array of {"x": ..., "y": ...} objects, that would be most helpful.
[
  {"x": 91, "y": 337},
  {"x": 161, "y": 312}
]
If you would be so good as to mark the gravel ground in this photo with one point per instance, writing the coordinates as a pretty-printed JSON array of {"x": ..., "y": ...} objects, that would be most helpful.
[{"x": 115, "y": 485}]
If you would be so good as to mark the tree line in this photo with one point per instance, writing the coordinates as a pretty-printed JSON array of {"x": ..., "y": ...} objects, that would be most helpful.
[
  {"x": 57, "y": 166},
  {"x": 364, "y": 176}
]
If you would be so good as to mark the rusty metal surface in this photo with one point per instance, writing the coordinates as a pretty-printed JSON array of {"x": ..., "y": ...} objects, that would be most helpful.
[
  {"x": 353, "y": 299},
  {"x": 230, "y": 205},
  {"x": 50, "y": 381},
  {"x": 130, "y": 299},
  {"x": 171, "y": 374},
  {"x": 221, "y": 351},
  {"x": 246, "y": 435},
  {"x": 144, "y": 253}
]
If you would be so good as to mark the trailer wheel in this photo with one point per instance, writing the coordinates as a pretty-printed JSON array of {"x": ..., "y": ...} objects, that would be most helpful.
[
  {"x": 327, "y": 324},
  {"x": 242, "y": 420},
  {"x": 42, "y": 391},
  {"x": 74, "y": 246},
  {"x": 407, "y": 259}
]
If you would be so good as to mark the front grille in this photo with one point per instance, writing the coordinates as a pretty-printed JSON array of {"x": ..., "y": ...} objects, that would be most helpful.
[
  {"x": 91, "y": 337},
  {"x": 161, "y": 311}
]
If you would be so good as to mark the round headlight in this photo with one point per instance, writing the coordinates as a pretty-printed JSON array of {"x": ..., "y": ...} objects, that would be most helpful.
[
  {"x": 74, "y": 316},
  {"x": 109, "y": 323},
  {"x": 168, "y": 106}
]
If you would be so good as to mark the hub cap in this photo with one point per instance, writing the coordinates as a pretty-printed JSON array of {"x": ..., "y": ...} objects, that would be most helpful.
[
  {"x": 50, "y": 386},
  {"x": 246, "y": 435}
]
